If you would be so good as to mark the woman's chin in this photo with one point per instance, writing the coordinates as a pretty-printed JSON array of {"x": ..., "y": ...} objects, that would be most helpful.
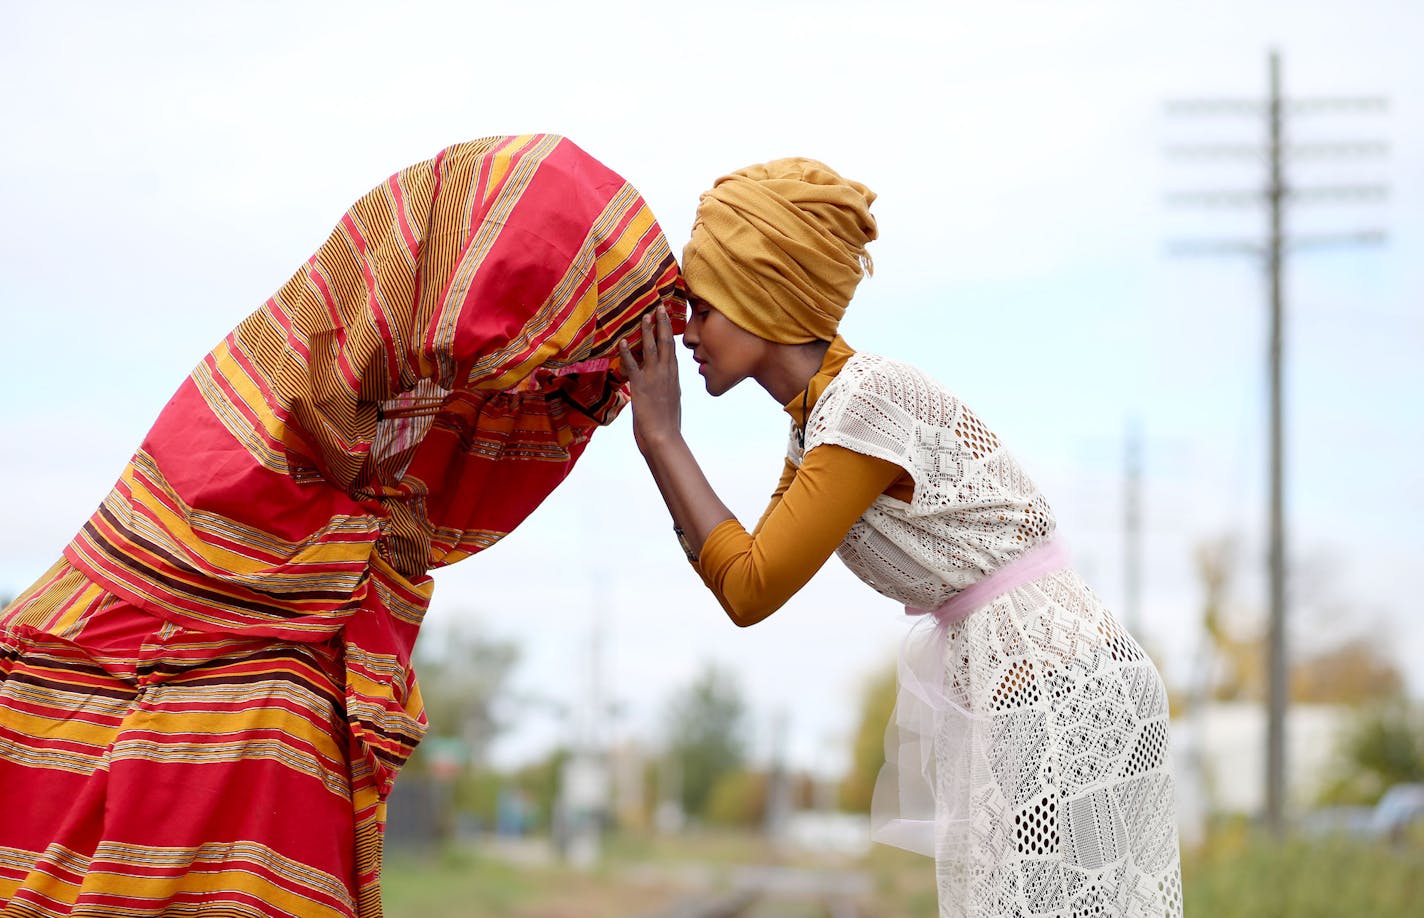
[{"x": 716, "y": 385}]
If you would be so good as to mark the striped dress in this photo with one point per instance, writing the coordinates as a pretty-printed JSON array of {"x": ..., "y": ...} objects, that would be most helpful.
[{"x": 204, "y": 703}]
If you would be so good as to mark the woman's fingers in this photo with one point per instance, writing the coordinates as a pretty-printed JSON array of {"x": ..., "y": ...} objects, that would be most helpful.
[
  {"x": 630, "y": 366},
  {"x": 665, "y": 332},
  {"x": 659, "y": 351},
  {"x": 650, "y": 341}
]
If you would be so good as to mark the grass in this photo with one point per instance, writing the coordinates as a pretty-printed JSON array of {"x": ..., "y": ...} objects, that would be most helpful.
[
  {"x": 470, "y": 882},
  {"x": 454, "y": 885},
  {"x": 1238, "y": 874},
  {"x": 1244, "y": 874}
]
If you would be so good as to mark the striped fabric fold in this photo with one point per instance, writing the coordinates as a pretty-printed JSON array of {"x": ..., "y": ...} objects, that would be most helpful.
[{"x": 204, "y": 704}]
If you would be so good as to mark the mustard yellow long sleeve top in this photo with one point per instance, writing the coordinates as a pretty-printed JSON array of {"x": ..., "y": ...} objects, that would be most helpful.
[{"x": 753, "y": 574}]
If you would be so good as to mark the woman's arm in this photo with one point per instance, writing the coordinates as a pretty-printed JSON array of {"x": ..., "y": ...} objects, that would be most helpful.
[
  {"x": 752, "y": 575},
  {"x": 788, "y": 475},
  {"x": 657, "y": 428}
]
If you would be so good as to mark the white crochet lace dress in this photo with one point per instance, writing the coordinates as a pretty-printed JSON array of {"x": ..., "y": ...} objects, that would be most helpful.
[{"x": 1028, "y": 754}]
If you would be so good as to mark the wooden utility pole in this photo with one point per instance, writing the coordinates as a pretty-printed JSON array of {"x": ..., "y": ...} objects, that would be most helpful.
[
  {"x": 1277, "y": 195},
  {"x": 1278, "y": 685}
]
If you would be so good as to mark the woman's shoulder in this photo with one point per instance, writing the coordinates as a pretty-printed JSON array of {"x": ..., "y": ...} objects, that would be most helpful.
[
  {"x": 888, "y": 395},
  {"x": 878, "y": 372}
]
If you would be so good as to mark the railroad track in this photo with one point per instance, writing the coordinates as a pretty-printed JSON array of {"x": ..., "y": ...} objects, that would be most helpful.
[{"x": 776, "y": 892}]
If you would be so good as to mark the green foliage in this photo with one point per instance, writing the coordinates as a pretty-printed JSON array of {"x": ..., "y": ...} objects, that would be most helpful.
[
  {"x": 463, "y": 679},
  {"x": 877, "y": 706},
  {"x": 1247, "y": 875},
  {"x": 462, "y": 676},
  {"x": 738, "y": 799},
  {"x": 541, "y": 782},
  {"x": 706, "y": 725},
  {"x": 477, "y": 793},
  {"x": 1384, "y": 747}
]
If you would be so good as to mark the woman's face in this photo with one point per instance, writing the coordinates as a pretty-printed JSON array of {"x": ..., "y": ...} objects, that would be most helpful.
[{"x": 725, "y": 353}]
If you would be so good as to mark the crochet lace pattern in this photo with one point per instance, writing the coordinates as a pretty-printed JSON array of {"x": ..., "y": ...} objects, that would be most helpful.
[{"x": 1040, "y": 745}]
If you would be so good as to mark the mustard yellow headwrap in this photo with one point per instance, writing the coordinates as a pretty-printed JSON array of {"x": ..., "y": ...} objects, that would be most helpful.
[{"x": 779, "y": 248}]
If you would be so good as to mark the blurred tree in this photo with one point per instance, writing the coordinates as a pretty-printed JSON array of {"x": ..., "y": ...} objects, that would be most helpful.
[
  {"x": 1384, "y": 747},
  {"x": 877, "y": 706},
  {"x": 464, "y": 680},
  {"x": 1352, "y": 673},
  {"x": 706, "y": 729},
  {"x": 540, "y": 781},
  {"x": 738, "y": 799},
  {"x": 1232, "y": 665},
  {"x": 476, "y": 794}
]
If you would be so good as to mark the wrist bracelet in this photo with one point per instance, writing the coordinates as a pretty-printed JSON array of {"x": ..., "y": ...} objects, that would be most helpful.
[{"x": 686, "y": 545}]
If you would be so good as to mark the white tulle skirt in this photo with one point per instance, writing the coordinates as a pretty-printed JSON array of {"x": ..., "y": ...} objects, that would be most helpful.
[{"x": 1028, "y": 756}]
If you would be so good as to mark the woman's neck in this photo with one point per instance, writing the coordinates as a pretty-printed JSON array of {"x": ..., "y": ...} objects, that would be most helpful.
[{"x": 790, "y": 369}]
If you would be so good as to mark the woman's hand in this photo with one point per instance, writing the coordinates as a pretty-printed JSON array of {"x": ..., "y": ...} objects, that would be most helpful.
[
  {"x": 657, "y": 427},
  {"x": 657, "y": 396}
]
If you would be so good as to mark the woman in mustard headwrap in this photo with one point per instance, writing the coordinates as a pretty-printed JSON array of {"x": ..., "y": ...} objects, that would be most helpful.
[{"x": 1028, "y": 751}]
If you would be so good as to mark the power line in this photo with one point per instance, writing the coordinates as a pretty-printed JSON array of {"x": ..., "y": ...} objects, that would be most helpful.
[
  {"x": 1302, "y": 151},
  {"x": 1277, "y": 194}
]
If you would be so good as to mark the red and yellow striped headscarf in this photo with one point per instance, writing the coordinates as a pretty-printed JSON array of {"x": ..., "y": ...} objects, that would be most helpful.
[
  {"x": 412, "y": 392},
  {"x": 406, "y": 399}
]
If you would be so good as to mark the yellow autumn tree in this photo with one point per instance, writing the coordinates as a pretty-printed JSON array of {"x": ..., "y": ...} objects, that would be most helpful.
[
  {"x": 877, "y": 705},
  {"x": 1354, "y": 671}
]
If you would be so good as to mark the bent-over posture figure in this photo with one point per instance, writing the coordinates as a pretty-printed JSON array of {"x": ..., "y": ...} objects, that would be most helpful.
[
  {"x": 1028, "y": 754},
  {"x": 204, "y": 703}
]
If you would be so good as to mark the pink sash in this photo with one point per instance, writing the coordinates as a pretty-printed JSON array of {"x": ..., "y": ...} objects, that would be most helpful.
[{"x": 1044, "y": 558}]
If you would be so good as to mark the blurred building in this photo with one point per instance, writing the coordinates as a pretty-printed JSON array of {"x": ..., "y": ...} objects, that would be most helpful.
[{"x": 1220, "y": 755}]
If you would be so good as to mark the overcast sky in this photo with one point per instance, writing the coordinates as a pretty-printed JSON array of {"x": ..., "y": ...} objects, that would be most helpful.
[{"x": 165, "y": 167}]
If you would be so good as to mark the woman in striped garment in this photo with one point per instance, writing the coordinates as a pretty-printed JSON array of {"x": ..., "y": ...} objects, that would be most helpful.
[
  {"x": 204, "y": 703},
  {"x": 1028, "y": 752}
]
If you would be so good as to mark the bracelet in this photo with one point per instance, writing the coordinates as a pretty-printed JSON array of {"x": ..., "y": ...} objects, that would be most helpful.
[{"x": 686, "y": 545}]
